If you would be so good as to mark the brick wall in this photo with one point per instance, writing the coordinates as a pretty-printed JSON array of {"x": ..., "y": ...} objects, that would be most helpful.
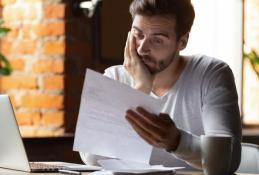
[
  {"x": 49, "y": 50},
  {"x": 251, "y": 80}
]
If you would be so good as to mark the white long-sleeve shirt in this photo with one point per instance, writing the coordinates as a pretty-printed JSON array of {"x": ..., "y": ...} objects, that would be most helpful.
[{"x": 202, "y": 101}]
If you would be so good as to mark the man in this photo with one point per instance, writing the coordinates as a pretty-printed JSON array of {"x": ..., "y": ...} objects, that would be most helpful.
[{"x": 200, "y": 92}]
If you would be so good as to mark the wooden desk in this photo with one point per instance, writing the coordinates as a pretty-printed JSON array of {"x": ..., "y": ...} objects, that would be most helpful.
[{"x": 12, "y": 172}]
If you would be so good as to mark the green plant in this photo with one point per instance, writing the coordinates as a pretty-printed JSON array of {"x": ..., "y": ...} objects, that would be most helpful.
[
  {"x": 5, "y": 67},
  {"x": 253, "y": 58}
]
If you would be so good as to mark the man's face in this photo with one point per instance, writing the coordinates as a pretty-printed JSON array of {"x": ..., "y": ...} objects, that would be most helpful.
[{"x": 156, "y": 41}]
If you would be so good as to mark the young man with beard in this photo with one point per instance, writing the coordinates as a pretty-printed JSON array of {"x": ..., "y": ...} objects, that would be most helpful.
[{"x": 200, "y": 92}]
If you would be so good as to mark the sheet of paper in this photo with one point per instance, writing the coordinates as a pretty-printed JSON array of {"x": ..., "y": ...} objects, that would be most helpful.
[
  {"x": 122, "y": 167},
  {"x": 116, "y": 165},
  {"x": 102, "y": 128},
  {"x": 106, "y": 172},
  {"x": 103, "y": 172}
]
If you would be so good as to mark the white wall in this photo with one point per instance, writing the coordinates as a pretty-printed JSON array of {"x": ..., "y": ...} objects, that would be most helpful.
[{"x": 217, "y": 32}]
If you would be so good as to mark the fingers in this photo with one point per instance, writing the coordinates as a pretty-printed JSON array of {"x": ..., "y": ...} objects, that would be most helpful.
[
  {"x": 140, "y": 121},
  {"x": 147, "y": 132},
  {"x": 158, "y": 122},
  {"x": 159, "y": 131},
  {"x": 132, "y": 48},
  {"x": 163, "y": 117},
  {"x": 126, "y": 51},
  {"x": 149, "y": 138},
  {"x": 130, "y": 51}
]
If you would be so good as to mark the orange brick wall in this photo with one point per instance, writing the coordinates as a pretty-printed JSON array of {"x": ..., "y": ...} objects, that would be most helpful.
[{"x": 49, "y": 51}]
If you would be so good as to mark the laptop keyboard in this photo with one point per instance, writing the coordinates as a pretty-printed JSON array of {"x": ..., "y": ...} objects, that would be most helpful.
[{"x": 42, "y": 167}]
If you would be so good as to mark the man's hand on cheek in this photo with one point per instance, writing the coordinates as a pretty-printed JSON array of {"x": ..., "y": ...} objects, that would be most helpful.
[
  {"x": 159, "y": 131},
  {"x": 142, "y": 77}
]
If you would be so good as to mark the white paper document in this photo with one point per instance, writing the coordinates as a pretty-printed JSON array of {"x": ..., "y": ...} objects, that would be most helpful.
[
  {"x": 102, "y": 128},
  {"x": 138, "y": 172},
  {"x": 124, "y": 166}
]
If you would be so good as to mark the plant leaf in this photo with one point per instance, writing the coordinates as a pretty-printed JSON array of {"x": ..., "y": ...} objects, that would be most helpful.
[
  {"x": 4, "y": 31},
  {"x": 6, "y": 68}
]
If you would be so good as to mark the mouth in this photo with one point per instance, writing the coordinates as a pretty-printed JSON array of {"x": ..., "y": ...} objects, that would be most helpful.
[
  {"x": 149, "y": 63},
  {"x": 147, "y": 60}
]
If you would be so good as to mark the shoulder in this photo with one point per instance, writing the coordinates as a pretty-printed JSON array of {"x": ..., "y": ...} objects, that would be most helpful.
[
  {"x": 114, "y": 71},
  {"x": 119, "y": 73},
  {"x": 207, "y": 63},
  {"x": 209, "y": 72},
  {"x": 214, "y": 73},
  {"x": 207, "y": 67}
]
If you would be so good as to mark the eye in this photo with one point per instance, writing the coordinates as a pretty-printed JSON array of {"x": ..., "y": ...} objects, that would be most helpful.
[
  {"x": 138, "y": 35},
  {"x": 157, "y": 41}
]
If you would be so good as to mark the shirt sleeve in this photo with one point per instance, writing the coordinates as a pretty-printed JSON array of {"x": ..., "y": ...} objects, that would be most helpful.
[
  {"x": 110, "y": 73},
  {"x": 220, "y": 115}
]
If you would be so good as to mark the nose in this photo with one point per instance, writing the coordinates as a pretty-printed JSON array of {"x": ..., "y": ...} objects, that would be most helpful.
[{"x": 143, "y": 47}]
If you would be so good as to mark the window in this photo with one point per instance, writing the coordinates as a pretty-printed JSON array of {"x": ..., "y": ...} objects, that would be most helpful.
[{"x": 217, "y": 32}]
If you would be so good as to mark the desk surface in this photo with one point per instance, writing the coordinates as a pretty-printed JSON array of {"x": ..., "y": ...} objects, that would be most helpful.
[{"x": 12, "y": 172}]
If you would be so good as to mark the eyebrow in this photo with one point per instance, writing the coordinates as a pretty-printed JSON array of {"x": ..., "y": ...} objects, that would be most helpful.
[{"x": 158, "y": 33}]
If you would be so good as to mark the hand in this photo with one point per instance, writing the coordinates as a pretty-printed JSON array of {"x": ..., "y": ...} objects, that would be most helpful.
[
  {"x": 159, "y": 131},
  {"x": 135, "y": 67}
]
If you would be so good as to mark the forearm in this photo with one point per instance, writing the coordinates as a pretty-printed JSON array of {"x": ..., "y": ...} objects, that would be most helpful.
[{"x": 189, "y": 150}]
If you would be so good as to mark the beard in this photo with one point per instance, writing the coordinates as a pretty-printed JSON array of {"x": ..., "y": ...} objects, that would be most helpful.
[{"x": 154, "y": 66}]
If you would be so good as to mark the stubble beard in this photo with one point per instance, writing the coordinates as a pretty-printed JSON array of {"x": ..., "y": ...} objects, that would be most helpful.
[{"x": 159, "y": 66}]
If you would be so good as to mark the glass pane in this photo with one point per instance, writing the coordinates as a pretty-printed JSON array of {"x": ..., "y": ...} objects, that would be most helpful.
[{"x": 251, "y": 71}]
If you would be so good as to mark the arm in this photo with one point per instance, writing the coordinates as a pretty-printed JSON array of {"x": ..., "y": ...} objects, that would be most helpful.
[{"x": 220, "y": 115}]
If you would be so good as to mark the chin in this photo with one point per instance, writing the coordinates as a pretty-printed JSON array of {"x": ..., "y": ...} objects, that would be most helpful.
[
  {"x": 154, "y": 71},
  {"x": 151, "y": 69}
]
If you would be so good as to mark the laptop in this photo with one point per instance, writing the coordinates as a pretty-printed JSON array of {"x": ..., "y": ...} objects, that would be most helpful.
[{"x": 12, "y": 151}]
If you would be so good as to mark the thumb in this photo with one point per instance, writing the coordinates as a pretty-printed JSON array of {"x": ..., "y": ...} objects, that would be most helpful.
[{"x": 165, "y": 117}]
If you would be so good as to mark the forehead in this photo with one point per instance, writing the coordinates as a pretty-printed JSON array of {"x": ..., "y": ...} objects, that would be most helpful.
[{"x": 154, "y": 24}]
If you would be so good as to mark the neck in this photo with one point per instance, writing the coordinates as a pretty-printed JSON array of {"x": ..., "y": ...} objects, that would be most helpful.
[{"x": 164, "y": 80}]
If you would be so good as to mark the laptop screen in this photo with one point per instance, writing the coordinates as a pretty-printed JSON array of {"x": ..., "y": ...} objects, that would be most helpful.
[{"x": 12, "y": 152}]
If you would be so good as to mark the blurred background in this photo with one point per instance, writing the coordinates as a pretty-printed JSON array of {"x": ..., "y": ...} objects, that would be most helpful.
[{"x": 52, "y": 42}]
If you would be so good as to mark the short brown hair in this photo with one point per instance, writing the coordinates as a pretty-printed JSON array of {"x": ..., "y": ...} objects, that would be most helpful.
[{"x": 181, "y": 10}]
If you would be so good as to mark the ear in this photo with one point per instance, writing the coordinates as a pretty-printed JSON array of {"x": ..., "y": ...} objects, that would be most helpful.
[{"x": 182, "y": 43}]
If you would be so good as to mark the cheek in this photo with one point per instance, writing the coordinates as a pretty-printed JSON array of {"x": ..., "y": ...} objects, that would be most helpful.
[
  {"x": 169, "y": 49},
  {"x": 162, "y": 52},
  {"x": 163, "y": 55}
]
